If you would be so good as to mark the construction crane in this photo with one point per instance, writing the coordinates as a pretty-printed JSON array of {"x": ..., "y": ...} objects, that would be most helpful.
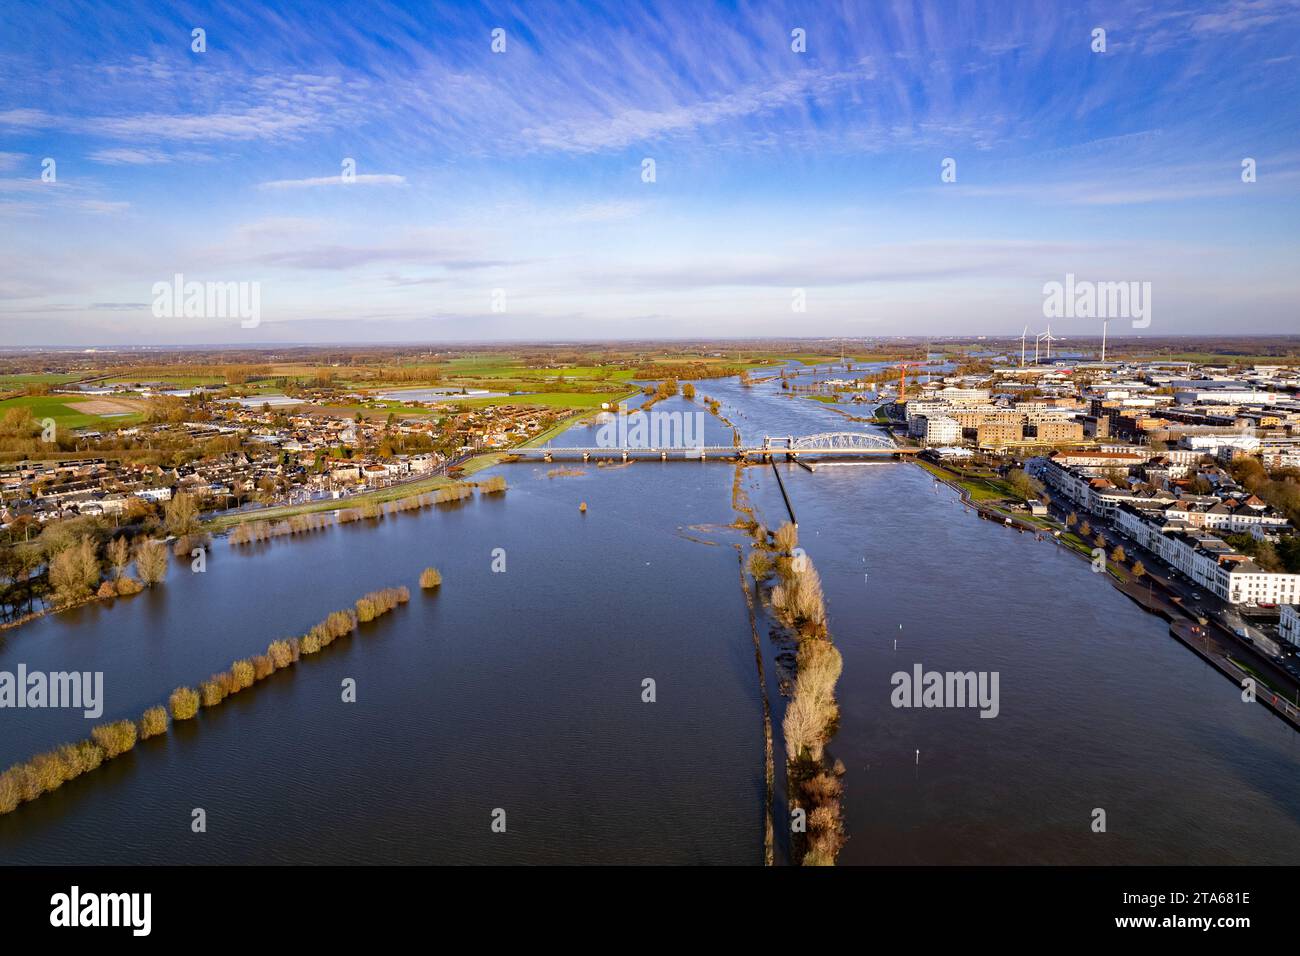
[{"x": 902, "y": 378}]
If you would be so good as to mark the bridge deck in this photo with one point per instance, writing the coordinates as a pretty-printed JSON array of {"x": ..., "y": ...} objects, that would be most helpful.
[{"x": 720, "y": 451}]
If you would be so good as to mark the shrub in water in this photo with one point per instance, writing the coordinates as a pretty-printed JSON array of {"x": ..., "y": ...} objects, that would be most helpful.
[
  {"x": 83, "y": 756},
  {"x": 184, "y": 702},
  {"x": 153, "y": 722},
  {"x": 281, "y": 653},
  {"x": 126, "y": 586},
  {"x": 213, "y": 691},
  {"x": 243, "y": 675},
  {"x": 116, "y": 738}
]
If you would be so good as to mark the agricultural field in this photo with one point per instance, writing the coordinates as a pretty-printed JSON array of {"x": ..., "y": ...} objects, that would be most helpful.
[
  {"x": 70, "y": 411},
  {"x": 553, "y": 399},
  {"x": 37, "y": 378}
]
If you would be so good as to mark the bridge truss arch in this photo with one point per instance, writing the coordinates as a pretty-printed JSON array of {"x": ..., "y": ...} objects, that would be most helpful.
[{"x": 839, "y": 441}]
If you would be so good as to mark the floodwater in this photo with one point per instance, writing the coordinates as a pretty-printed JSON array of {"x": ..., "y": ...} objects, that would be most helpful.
[{"x": 522, "y": 690}]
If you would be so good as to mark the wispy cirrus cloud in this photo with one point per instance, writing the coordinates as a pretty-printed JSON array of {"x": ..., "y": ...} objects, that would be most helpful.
[
  {"x": 144, "y": 156},
  {"x": 776, "y": 168},
  {"x": 1240, "y": 16},
  {"x": 360, "y": 179}
]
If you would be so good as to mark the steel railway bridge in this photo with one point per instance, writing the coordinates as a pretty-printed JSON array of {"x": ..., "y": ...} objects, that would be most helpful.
[{"x": 848, "y": 445}]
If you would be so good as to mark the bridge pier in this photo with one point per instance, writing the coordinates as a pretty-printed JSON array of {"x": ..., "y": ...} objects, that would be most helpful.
[
  {"x": 625, "y": 454},
  {"x": 546, "y": 456},
  {"x": 663, "y": 456},
  {"x": 586, "y": 456}
]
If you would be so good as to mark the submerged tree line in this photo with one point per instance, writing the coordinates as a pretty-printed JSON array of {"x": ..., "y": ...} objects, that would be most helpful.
[
  {"x": 48, "y": 771},
  {"x": 793, "y": 591},
  {"x": 255, "y": 532}
]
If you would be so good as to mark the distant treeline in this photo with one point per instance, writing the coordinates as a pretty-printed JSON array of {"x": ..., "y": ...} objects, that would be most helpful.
[
  {"x": 49, "y": 771},
  {"x": 687, "y": 370}
]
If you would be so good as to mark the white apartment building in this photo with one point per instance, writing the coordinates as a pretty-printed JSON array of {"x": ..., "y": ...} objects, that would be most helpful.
[
  {"x": 1228, "y": 518},
  {"x": 942, "y": 430},
  {"x": 952, "y": 394},
  {"x": 1288, "y": 627},
  {"x": 1248, "y": 583},
  {"x": 1096, "y": 495},
  {"x": 1207, "y": 560}
]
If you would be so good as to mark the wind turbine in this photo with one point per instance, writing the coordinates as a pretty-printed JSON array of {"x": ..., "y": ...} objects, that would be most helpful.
[
  {"x": 1104, "y": 322},
  {"x": 1022, "y": 346}
]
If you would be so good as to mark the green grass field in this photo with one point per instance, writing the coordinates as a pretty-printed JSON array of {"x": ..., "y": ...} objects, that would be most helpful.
[
  {"x": 64, "y": 412},
  {"x": 980, "y": 489},
  {"x": 37, "y": 378},
  {"x": 554, "y": 399},
  {"x": 498, "y": 367}
]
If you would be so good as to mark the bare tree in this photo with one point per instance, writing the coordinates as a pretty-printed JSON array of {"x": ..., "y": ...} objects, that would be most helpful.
[{"x": 151, "y": 562}]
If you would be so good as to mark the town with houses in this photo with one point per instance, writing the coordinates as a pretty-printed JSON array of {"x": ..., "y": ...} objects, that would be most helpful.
[
  {"x": 1154, "y": 450},
  {"x": 267, "y": 454}
]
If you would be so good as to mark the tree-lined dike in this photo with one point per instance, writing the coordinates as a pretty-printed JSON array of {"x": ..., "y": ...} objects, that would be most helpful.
[
  {"x": 787, "y": 588},
  {"x": 47, "y": 772}
]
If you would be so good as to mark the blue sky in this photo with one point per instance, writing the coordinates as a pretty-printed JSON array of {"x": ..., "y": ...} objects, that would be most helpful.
[{"x": 521, "y": 171}]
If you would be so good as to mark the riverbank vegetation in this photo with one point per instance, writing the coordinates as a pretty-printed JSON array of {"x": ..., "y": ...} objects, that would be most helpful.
[
  {"x": 48, "y": 771},
  {"x": 151, "y": 562},
  {"x": 812, "y": 712},
  {"x": 64, "y": 567},
  {"x": 253, "y": 532}
]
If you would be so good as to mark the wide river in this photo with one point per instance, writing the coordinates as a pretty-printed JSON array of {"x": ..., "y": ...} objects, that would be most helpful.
[{"x": 520, "y": 690}]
